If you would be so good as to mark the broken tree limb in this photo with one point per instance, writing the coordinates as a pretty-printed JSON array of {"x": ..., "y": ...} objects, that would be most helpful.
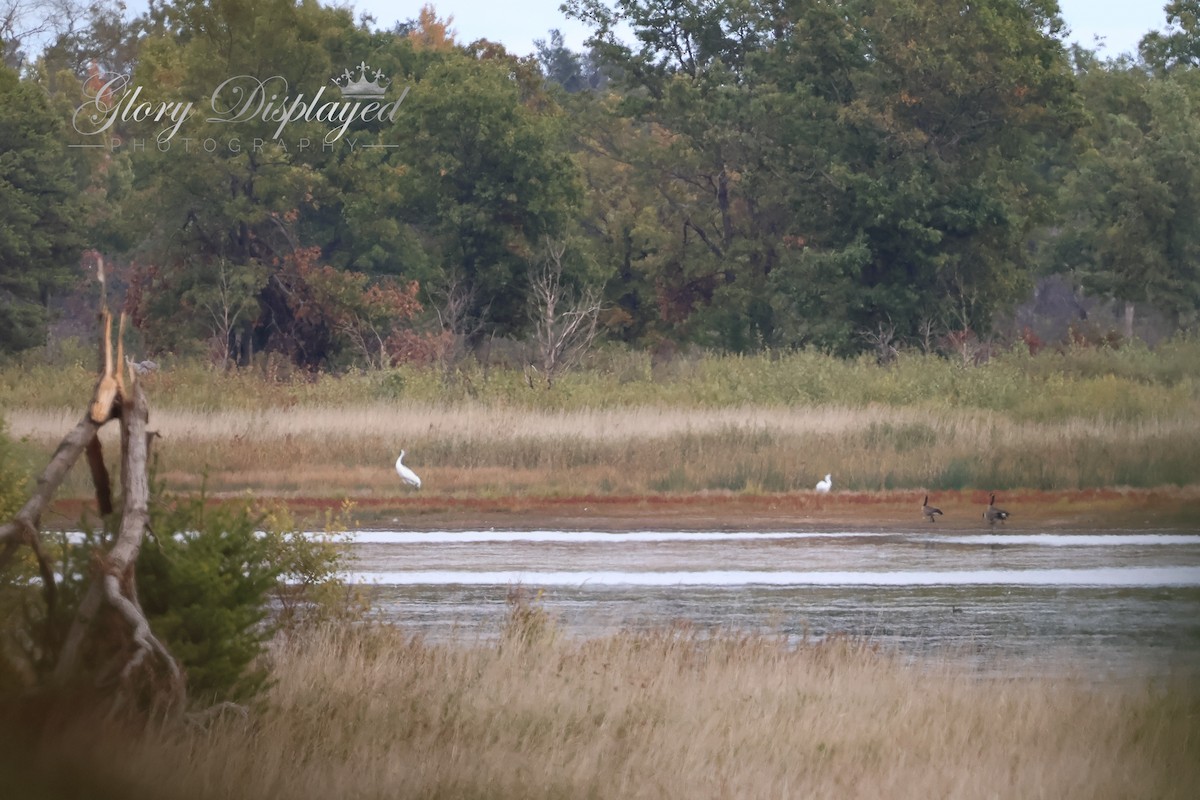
[
  {"x": 108, "y": 388},
  {"x": 100, "y": 479},
  {"x": 114, "y": 583},
  {"x": 144, "y": 640},
  {"x": 27, "y": 520},
  {"x": 109, "y": 623}
]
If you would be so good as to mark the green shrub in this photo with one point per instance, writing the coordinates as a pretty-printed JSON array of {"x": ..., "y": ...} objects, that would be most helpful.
[
  {"x": 13, "y": 476},
  {"x": 211, "y": 577},
  {"x": 204, "y": 582}
]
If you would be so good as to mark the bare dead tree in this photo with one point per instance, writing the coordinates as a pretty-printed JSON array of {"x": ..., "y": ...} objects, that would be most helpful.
[
  {"x": 227, "y": 299},
  {"x": 925, "y": 335},
  {"x": 133, "y": 654},
  {"x": 565, "y": 326},
  {"x": 881, "y": 341},
  {"x": 453, "y": 304},
  {"x": 368, "y": 338}
]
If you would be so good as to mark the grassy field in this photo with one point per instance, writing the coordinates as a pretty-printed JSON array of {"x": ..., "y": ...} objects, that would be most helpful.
[
  {"x": 1129, "y": 383},
  {"x": 1076, "y": 438},
  {"x": 473, "y": 450},
  {"x": 372, "y": 713},
  {"x": 1078, "y": 420}
]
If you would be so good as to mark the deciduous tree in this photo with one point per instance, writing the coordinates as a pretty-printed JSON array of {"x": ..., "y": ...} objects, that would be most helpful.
[{"x": 1131, "y": 229}]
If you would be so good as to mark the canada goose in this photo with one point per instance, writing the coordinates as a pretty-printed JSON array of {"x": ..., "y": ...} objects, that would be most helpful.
[
  {"x": 991, "y": 513},
  {"x": 406, "y": 474},
  {"x": 930, "y": 511},
  {"x": 824, "y": 486}
]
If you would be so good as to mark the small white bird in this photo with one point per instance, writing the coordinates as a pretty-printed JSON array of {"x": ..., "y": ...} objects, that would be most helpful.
[
  {"x": 406, "y": 474},
  {"x": 824, "y": 486}
]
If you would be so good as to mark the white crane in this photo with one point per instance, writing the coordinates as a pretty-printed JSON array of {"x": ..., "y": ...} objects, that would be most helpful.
[
  {"x": 824, "y": 486},
  {"x": 406, "y": 474}
]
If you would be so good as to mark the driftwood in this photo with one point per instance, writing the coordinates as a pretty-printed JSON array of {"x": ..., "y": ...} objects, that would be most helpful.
[{"x": 112, "y": 583}]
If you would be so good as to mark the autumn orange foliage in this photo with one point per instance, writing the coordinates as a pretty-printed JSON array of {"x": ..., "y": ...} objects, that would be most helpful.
[{"x": 432, "y": 33}]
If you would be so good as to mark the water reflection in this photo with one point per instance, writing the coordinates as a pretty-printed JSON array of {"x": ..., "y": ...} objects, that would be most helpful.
[{"x": 1113, "y": 601}]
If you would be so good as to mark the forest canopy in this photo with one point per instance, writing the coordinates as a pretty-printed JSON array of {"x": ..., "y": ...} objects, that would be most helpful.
[{"x": 278, "y": 176}]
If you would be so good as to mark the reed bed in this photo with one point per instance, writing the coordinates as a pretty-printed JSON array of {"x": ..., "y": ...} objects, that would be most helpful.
[
  {"x": 481, "y": 450},
  {"x": 1081, "y": 418},
  {"x": 678, "y": 713},
  {"x": 1129, "y": 383}
]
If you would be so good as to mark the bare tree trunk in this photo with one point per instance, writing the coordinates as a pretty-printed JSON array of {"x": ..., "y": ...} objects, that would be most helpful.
[
  {"x": 1128, "y": 332},
  {"x": 564, "y": 326},
  {"x": 95, "y": 458},
  {"x": 925, "y": 330},
  {"x": 113, "y": 580}
]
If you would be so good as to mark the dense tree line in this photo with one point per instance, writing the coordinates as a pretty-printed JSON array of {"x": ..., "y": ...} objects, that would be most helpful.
[{"x": 738, "y": 175}]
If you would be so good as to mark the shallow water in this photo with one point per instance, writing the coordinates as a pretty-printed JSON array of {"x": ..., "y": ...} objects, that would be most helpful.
[{"x": 1125, "y": 602}]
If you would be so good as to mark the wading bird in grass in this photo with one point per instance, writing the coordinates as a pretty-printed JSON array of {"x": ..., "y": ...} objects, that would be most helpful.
[
  {"x": 824, "y": 486},
  {"x": 991, "y": 513},
  {"x": 406, "y": 474},
  {"x": 930, "y": 511}
]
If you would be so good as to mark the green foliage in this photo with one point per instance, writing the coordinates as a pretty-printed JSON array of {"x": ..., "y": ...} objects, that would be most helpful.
[
  {"x": 456, "y": 190},
  {"x": 40, "y": 212},
  {"x": 14, "y": 585},
  {"x": 311, "y": 591},
  {"x": 204, "y": 582},
  {"x": 216, "y": 580},
  {"x": 1133, "y": 201},
  {"x": 741, "y": 176},
  {"x": 211, "y": 577},
  {"x": 486, "y": 177},
  {"x": 802, "y": 174},
  {"x": 13, "y": 476},
  {"x": 1130, "y": 383},
  {"x": 1179, "y": 45}
]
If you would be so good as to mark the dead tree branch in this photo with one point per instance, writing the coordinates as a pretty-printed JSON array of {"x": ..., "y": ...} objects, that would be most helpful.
[
  {"x": 564, "y": 325},
  {"x": 103, "y": 407},
  {"x": 27, "y": 520},
  {"x": 881, "y": 341},
  {"x": 115, "y": 583},
  {"x": 113, "y": 579}
]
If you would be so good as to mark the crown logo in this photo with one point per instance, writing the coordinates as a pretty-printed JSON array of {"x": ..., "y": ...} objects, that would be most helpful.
[{"x": 361, "y": 87}]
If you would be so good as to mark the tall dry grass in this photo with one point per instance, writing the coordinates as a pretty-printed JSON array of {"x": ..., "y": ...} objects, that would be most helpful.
[
  {"x": 1080, "y": 419},
  {"x": 371, "y": 713},
  {"x": 481, "y": 450}
]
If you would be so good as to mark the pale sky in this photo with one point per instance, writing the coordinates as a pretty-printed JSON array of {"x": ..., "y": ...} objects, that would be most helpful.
[
  {"x": 516, "y": 25},
  {"x": 1121, "y": 23}
]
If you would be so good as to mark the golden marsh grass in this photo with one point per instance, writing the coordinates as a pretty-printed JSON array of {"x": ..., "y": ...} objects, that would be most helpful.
[
  {"x": 483, "y": 450},
  {"x": 674, "y": 714}
]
